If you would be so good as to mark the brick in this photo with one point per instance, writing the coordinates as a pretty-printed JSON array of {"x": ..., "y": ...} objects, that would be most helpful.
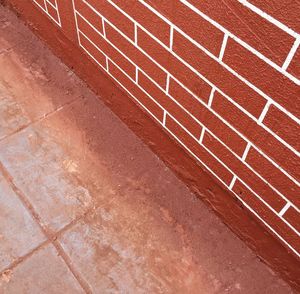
[
  {"x": 92, "y": 17},
  {"x": 174, "y": 66},
  {"x": 259, "y": 33},
  {"x": 136, "y": 56},
  {"x": 122, "y": 22},
  {"x": 41, "y": 3},
  {"x": 194, "y": 25},
  {"x": 92, "y": 50},
  {"x": 209, "y": 119},
  {"x": 257, "y": 135},
  {"x": 136, "y": 92},
  {"x": 167, "y": 103},
  {"x": 52, "y": 1},
  {"x": 52, "y": 11},
  {"x": 265, "y": 77},
  {"x": 221, "y": 171},
  {"x": 146, "y": 18},
  {"x": 283, "y": 126},
  {"x": 243, "y": 172},
  {"x": 293, "y": 217},
  {"x": 107, "y": 48},
  {"x": 294, "y": 67},
  {"x": 218, "y": 75},
  {"x": 267, "y": 215},
  {"x": 286, "y": 11},
  {"x": 274, "y": 176}
]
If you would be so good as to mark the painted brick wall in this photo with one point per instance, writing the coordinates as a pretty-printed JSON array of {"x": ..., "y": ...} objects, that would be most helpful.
[
  {"x": 222, "y": 78},
  {"x": 50, "y": 7}
]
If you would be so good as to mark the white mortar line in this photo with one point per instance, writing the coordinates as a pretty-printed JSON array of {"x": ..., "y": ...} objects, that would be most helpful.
[
  {"x": 278, "y": 166},
  {"x": 104, "y": 36},
  {"x": 58, "y": 14},
  {"x": 211, "y": 84},
  {"x": 214, "y": 174},
  {"x": 168, "y": 83},
  {"x": 183, "y": 61},
  {"x": 202, "y": 135},
  {"x": 51, "y": 4},
  {"x": 194, "y": 155},
  {"x": 46, "y": 8},
  {"x": 195, "y": 43},
  {"x": 217, "y": 25},
  {"x": 224, "y": 43},
  {"x": 205, "y": 149},
  {"x": 241, "y": 42},
  {"x": 246, "y": 185},
  {"x": 76, "y": 22},
  {"x": 244, "y": 203},
  {"x": 264, "y": 112},
  {"x": 47, "y": 13},
  {"x": 119, "y": 66},
  {"x": 86, "y": 50},
  {"x": 94, "y": 28},
  {"x": 107, "y": 63},
  {"x": 222, "y": 163},
  {"x": 212, "y": 134},
  {"x": 127, "y": 91},
  {"x": 269, "y": 18},
  {"x": 275, "y": 135},
  {"x": 165, "y": 117},
  {"x": 136, "y": 74},
  {"x": 267, "y": 225},
  {"x": 232, "y": 182},
  {"x": 135, "y": 34},
  {"x": 291, "y": 54},
  {"x": 246, "y": 151},
  {"x": 171, "y": 36},
  {"x": 103, "y": 28},
  {"x": 211, "y": 97},
  {"x": 233, "y": 101},
  {"x": 256, "y": 195},
  {"x": 284, "y": 209}
]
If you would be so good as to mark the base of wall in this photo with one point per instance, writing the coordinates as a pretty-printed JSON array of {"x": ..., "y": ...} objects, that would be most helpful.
[{"x": 230, "y": 210}]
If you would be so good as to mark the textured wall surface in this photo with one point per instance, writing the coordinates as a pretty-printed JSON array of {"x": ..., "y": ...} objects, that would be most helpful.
[{"x": 221, "y": 77}]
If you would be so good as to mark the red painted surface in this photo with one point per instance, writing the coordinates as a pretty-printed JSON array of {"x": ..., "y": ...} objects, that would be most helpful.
[
  {"x": 247, "y": 25},
  {"x": 227, "y": 92}
]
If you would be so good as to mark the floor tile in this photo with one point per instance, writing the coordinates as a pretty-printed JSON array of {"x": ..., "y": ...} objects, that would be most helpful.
[
  {"x": 12, "y": 117},
  {"x": 37, "y": 165},
  {"x": 115, "y": 256},
  {"x": 141, "y": 230},
  {"x": 127, "y": 247},
  {"x": 35, "y": 95},
  {"x": 141, "y": 239},
  {"x": 43, "y": 272},
  {"x": 19, "y": 234}
]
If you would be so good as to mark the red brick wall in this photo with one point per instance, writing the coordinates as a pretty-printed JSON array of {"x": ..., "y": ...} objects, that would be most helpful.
[
  {"x": 221, "y": 77},
  {"x": 50, "y": 7}
]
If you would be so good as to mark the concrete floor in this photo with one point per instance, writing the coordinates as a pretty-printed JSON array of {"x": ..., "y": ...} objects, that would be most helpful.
[{"x": 85, "y": 206}]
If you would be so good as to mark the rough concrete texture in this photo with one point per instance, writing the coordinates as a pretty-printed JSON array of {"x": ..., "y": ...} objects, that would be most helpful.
[{"x": 85, "y": 206}]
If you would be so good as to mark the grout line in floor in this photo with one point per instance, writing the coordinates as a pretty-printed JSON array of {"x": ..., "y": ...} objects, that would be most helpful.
[
  {"x": 51, "y": 237},
  {"x": 24, "y": 257},
  {"x": 55, "y": 236},
  {"x": 40, "y": 119}
]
